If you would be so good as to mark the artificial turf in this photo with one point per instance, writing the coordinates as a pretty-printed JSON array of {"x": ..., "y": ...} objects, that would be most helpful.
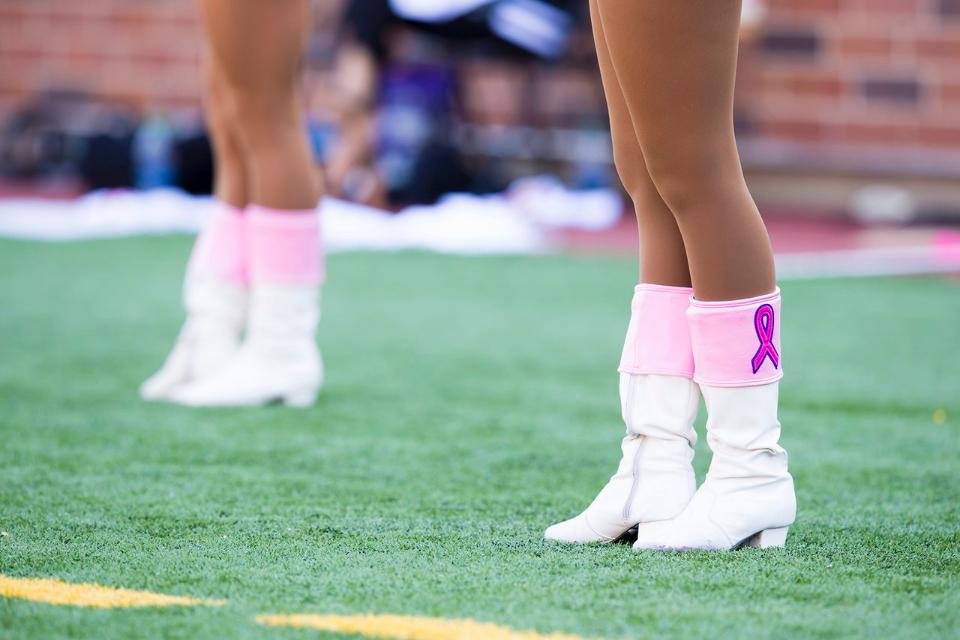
[{"x": 470, "y": 402}]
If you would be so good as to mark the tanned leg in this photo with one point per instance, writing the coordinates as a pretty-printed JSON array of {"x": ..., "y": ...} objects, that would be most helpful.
[
  {"x": 655, "y": 479},
  {"x": 676, "y": 64},
  {"x": 663, "y": 259},
  {"x": 230, "y": 170},
  {"x": 259, "y": 46}
]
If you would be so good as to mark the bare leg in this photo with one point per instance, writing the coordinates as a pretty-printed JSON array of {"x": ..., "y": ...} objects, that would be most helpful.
[
  {"x": 215, "y": 288},
  {"x": 258, "y": 46},
  {"x": 655, "y": 479},
  {"x": 256, "y": 49},
  {"x": 676, "y": 64},
  {"x": 230, "y": 171},
  {"x": 663, "y": 259}
]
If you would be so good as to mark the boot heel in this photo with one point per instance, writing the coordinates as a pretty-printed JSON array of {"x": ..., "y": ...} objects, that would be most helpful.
[
  {"x": 769, "y": 538},
  {"x": 301, "y": 398}
]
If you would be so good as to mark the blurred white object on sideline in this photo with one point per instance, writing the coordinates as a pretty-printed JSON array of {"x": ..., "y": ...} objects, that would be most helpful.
[
  {"x": 513, "y": 222},
  {"x": 883, "y": 204},
  {"x": 546, "y": 201}
]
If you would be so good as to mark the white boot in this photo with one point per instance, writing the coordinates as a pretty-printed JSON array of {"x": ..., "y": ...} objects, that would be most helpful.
[
  {"x": 748, "y": 497},
  {"x": 278, "y": 362},
  {"x": 655, "y": 479},
  {"x": 216, "y": 311}
]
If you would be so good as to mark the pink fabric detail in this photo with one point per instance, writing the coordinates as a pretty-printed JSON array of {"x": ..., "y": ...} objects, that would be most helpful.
[
  {"x": 220, "y": 251},
  {"x": 285, "y": 246},
  {"x": 658, "y": 338},
  {"x": 737, "y": 343}
]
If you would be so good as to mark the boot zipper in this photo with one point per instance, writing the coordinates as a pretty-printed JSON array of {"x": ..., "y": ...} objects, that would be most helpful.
[{"x": 636, "y": 481}]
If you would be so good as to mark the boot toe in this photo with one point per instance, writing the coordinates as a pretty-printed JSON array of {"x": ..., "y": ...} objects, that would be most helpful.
[
  {"x": 654, "y": 536},
  {"x": 685, "y": 534},
  {"x": 205, "y": 392},
  {"x": 566, "y": 531},
  {"x": 160, "y": 386},
  {"x": 187, "y": 396},
  {"x": 576, "y": 531},
  {"x": 153, "y": 390},
  {"x": 573, "y": 531}
]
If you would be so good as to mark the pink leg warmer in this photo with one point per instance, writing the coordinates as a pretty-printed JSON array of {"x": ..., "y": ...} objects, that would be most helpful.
[
  {"x": 285, "y": 246},
  {"x": 220, "y": 251},
  {"x": 658, "y": 338},
  {"x": 737, "y": 343}
]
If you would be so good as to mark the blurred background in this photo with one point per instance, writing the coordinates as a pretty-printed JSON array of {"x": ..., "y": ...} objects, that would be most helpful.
[
  {"x": 848, "y": 111},
  {"x": 468, "y": 401}
]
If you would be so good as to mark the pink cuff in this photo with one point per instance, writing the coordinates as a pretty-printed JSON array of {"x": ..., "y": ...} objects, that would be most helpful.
[
  {"x": 285, "y": 246},
  {"x": 658, "y": 338},
  {"x": 220, "y": 251},
  {"x": 736, "y": 343}
]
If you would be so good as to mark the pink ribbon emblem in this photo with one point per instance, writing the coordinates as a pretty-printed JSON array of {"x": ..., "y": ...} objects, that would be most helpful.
[{"x": 763, "y": 321}]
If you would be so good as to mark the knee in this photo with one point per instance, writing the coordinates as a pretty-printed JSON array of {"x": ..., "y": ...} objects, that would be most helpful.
[
  {"x": 252, "y": 98},
  {"x": 250, "y": 106},
  {"x": 668, "y": 177},
  {"x": 633, "y": 175},
  {"x": 643, "y": 194},
  {"x": 692, "y": 180},
  {"x": 219, "y": 107}
]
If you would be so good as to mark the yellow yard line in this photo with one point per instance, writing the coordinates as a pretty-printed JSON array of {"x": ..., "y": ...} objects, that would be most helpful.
[
  {"x": 407, "y": 627},
  {"x": 53, "y": 591}
]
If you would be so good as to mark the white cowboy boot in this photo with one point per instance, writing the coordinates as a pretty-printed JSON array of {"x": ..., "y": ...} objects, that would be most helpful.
[
  {"x": 279, "y": 360},
  {"x": 748, "y": 497},
  {"x": 215, "y": 298},
  {"x": 655, "y": 478},
  {"x": 210, "y": 337},
  {"x": 659, "y": 402}
]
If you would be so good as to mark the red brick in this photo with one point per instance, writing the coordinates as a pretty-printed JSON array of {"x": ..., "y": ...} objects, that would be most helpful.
[
  {"x": 949, "y": 94},
  {"x": 801, "y": 83},
  {"x": 880, "y": 46},
  {"x": 877, "y": 133},
  {"x": 942, "y": 48},
  {"x": 942, "y": 136},
  {"x": 794, "y": 129}
]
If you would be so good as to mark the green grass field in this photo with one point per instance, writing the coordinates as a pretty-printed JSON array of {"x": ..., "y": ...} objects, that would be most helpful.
[{"x": 469, "y": 404}]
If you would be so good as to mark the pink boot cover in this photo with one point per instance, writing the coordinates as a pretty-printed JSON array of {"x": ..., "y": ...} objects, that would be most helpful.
[
  {"x": 220, "y": 252},
  {"x": 285, "y": 246},
  {"x": 736, "y": 343},
  {"x": 658, "y": 338}
]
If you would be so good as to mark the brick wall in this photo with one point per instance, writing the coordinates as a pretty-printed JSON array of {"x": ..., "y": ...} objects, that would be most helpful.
[
  {"x": 876, "y": 77},
  {"x": 868, "y": 75},
  {"x": 140, "y": 51}
]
